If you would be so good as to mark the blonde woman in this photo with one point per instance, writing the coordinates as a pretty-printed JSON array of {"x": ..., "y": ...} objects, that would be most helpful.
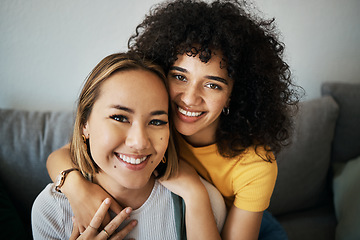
[{"x": 121, "y": 141}]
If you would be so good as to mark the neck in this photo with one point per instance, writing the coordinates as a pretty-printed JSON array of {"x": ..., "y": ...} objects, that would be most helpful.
[
  {"x": 125, "y": 197},
  {"x": 199, "y": 141}
]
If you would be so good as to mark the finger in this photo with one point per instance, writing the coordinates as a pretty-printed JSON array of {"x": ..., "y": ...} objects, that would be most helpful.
[
  {"x": 100, "y": 214},
  {"x": 115, "y": 223},
  {"x": 75, "y": 233},
  {"x": 106, "y": 221},
  {"x": 123, "y": 232},
  {"x": 115, "y": 207},
  {"x": 81, "y": 228}
]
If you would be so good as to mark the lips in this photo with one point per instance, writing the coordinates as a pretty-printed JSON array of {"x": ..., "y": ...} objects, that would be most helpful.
[
  {"x": 188, "y": 116},
  {"x": 132, "y": 160},
  {"x": 189, "y": 113}
]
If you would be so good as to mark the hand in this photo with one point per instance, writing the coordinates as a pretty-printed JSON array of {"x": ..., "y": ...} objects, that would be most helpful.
[
  {"x": 186, "y": 183},
  {"x": 92, "y": 231},
  {"x": 84, "y": 206}
]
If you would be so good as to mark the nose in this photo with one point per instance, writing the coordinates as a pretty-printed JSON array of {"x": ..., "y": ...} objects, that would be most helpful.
[
  {"x": 137, "y": 138},
  {"x": 191, "y": 95}
]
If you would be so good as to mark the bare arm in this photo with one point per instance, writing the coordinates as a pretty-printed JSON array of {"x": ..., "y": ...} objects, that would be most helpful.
[
  {"x": 242, "y": 224},
  {"x": 59, "y": 161},
  {"x": 200, "y": 222},
  {"x": 78, "y": 190},
  {"x": 199, "y": 218}
]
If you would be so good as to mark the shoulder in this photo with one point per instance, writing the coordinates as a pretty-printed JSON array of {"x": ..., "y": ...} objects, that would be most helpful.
[
  {"x": 49, "y": 198},
  {"x": 253, "y": 165},
  {"x": 254, "y": 180},
  {"x": 255, "y": 158},
  {"x": 50, "y": 214},
  {"x": 217, "y": 203},
  {"x": 45, "y": 201},
  {"x": 256, "y": 153}
]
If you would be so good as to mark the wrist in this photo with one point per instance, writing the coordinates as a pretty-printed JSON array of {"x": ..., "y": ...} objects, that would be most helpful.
[
  {"x": 72, "y": 176},
  {"x": 195, "y": 195}
]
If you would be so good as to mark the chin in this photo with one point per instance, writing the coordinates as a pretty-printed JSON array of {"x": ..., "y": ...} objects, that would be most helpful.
[
  {"x": 136, "y": 183},
  {"x": 185, "y": 130}
]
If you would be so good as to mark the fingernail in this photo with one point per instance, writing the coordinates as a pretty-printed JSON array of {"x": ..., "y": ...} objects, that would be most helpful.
[
  {"x": 73, "y": 219},
  {"x": 107, "y": 200},
  {"x": 128, "y": 210},
  {"x": 134, "y": 223}
]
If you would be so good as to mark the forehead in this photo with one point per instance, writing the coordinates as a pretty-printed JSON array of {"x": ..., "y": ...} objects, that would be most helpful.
[{"x": 135, "y": 88}]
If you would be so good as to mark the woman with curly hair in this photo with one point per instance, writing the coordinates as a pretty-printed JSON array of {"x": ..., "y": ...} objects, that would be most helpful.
[{"x": 231, "y": 94}]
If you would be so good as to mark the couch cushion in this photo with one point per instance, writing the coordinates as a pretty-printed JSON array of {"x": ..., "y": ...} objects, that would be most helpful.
[
  {"x": 346, "y": 143},
  {"x": 27, "y": 138},
  {"x": 314, "y": 224},
  {"x": 303, "y": 165},
  {"x": 347, "y": 199}
]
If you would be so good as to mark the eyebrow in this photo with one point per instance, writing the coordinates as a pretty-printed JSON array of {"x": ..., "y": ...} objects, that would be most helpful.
[
  {"x": 119, "y": 107},
  {"x": 219, "y": 79},
  {"x": 129, "y": 110}
]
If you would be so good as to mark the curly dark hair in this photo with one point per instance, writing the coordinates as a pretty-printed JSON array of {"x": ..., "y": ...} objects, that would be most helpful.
[{"x": 263, "y": 89}]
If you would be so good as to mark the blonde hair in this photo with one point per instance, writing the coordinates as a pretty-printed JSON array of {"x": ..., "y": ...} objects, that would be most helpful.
[{"x": 80, "y": 152}]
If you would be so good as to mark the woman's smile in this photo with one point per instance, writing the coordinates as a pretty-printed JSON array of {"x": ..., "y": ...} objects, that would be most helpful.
[
  {"x": 188, "y": 115},
  {"x": 132, "y": 162}
]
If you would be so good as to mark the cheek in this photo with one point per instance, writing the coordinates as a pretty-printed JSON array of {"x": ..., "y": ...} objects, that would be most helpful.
[
  {"x": 105, "y": 137},
  {"x": 216, "y": 103},
  {"x": 174, "y": 91},
  {"x": 161, "y": 143}
]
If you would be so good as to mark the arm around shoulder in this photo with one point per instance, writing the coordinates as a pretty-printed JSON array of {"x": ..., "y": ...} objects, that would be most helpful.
[
  {"x": 58, "y": 161},
  {"x": 79, "y": 190}
]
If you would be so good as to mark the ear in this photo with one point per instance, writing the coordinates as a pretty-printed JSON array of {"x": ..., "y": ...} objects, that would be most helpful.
[
  {"x": 228, "y": 103},
  {"x": 86, "y": 130}
]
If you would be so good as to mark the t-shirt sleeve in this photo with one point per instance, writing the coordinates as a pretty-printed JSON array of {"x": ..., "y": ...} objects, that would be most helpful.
[{"x": 254, "y": 185}]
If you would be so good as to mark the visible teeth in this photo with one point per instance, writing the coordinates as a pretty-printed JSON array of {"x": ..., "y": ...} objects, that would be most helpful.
[
  {"x": 188, "y": 113},
  {"x": 131, "y": 160}
]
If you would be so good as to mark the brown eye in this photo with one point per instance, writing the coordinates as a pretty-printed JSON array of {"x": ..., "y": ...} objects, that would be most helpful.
[
  {"x": 180, "y": 77},
  {"x": 213, "y": 86},
  {"x": 119, "y": 118},
  {"x": 157, "y": 122}
]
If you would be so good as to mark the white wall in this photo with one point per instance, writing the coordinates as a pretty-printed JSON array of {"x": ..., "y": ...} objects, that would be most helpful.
[
  {"x": 48, "y": 47},
  {"x": 322, "y": 39}
]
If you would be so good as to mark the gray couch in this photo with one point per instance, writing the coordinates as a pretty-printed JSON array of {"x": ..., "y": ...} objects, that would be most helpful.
[{"x": 327, "y": 131}]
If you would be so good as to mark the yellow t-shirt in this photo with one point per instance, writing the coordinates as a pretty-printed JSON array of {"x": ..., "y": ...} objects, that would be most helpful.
[{"x": 247, "y": 181}]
